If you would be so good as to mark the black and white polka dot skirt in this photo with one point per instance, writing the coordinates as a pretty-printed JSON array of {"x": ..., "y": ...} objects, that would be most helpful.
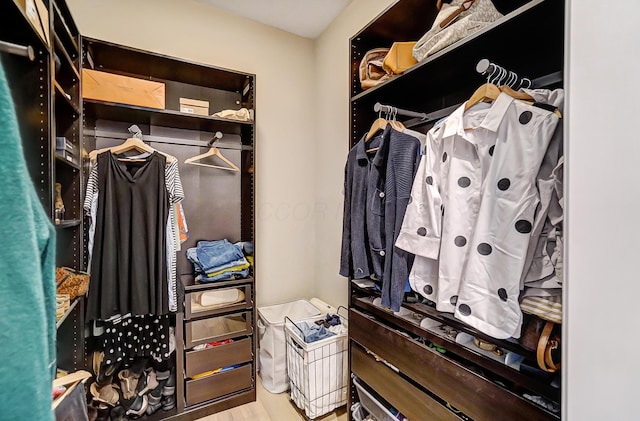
[{"x": 136, "y": 336}]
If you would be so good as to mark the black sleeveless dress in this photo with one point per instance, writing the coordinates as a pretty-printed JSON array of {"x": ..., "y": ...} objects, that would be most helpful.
[{"x": 129, "y": 266}]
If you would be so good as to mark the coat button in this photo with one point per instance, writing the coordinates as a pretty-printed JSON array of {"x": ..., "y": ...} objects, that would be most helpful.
[
  {"x": 381, "y": 194},
  {"x": 382, "y": 253}
]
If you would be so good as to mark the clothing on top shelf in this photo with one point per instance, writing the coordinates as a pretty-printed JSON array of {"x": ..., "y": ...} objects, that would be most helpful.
[
  {"x": 242, "y": 114},
  {"x": 175, "y": 192},
  {"x": 27, "y": 287},
  {"x": 219, "y": 259},
  {"x": 473, "y": 208},
  {"x": 377, "y": 191}
]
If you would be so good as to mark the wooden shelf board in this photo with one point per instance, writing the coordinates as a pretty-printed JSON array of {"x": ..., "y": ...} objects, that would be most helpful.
[
  {"x": 421, "y": 69},
  {"x": 153, "y": 116},
  {"x": 190, "y": 285},
  {"x": 73, "y": 305},
  {"x": 125, "y": 60},
  {"x": 61, "y": 94},
  {"x": 60, "y": 158}
]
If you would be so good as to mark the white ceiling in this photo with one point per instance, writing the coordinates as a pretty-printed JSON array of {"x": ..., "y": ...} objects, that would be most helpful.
[{"x": 307, "y": 18}]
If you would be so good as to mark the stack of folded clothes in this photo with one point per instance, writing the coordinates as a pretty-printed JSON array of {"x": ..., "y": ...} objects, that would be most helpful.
[{"x": 220, "y": 260}]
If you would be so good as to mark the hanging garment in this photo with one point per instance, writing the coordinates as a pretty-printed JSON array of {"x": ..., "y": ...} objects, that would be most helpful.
[
  {"x": 402, "y": 164},
  {"x": 127, "y": 338},
  {"x": 27, "y": 281},
  {"x": 377, "y": 191},
  {"x": 129, "y": 266},
  {"x": 363, "y": 245},
  {"x": 472, "y": 211},
  {"x": 174, "y": 188}
]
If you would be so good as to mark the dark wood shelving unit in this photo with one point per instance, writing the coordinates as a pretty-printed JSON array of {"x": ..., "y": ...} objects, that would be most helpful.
[
  {"x": 448, "y": 77},
  {"x": 232, "y": 218},
  {"x": 463, "y": 376},
  {"x": 15, "y": 27},
  {"x": 63, "y": 30}
]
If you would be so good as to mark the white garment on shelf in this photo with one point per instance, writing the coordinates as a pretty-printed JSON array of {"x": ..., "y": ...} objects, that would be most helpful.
[{"x": 471, "y": 213}]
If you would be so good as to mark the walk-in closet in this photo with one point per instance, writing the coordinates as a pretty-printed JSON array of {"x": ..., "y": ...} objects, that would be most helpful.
[{"x": 347, "y": 210}]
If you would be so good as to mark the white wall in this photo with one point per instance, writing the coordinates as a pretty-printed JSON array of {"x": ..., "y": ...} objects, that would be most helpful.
[
  {"x": 332, "y": 141},
  {"x": 285, "y": 114},
  {"x": 602, "y": 360}
]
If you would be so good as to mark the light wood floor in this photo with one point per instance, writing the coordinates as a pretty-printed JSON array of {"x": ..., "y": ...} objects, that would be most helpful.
[{"x": 271, "y": 407}]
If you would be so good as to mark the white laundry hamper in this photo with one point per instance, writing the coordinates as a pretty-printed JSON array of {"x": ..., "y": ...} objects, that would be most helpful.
[
  {"x": 318, "y": 371},
  {"x": 272, "y": 358}
]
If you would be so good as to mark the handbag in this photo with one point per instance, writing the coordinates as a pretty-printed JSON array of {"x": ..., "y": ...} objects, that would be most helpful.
[
  {"x": 399, "y": 58},
  {"x": 72, "y": 282},
  {"x": 454, "y": 22},
  {"x": 371, "y": 70},
  {"x": 542, "y": 337}
]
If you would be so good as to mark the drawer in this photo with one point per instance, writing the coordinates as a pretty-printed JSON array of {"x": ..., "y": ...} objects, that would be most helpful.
[
  {"x": 446, "y": 379},
  {"x": 217, "y": 328},
  {"x": 405, "y": 397},
  {"x": 236, "y": 352},
  {"x": 217, "y": 385},
  {"x": 192, "y": 308}
]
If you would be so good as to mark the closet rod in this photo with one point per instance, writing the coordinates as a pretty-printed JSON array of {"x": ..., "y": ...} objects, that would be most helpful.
[
  {"x": 541, "y": 82},
  {"x": 499, "y": 75},
  {"x": 395, "y": 110},
  {"x": 20, "y": 50},
  {"x": 168, "y": 140}
]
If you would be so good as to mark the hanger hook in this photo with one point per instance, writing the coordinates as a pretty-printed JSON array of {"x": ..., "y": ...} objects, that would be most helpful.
[
  {"x": 496, "y": 74},
  {"x": 135, "y": 131}
]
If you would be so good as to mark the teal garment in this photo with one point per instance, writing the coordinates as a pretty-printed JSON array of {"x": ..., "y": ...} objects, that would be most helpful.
[{"x": 27, "y": 281}]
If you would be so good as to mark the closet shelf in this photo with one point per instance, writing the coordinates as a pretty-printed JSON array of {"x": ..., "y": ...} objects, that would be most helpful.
[
  {"x": 15, "y": 27},
  {"x": 190, "y": 285},
  {"x": 469, "y": 354},
  {"x": 450, "y": 65},
  {"x": 62, "y": 159},
  {"x": 69, "y": 72},
  {"x": 148, "y": 65},
  {"x": 68, "y": 223},
  {"x": 61, "y": 98},
  {"x": 449, "y": 320},
  {"x": 61, "y": 27},
  {"x": 66, "y": 314},
  {"x": 156, "y": 117}
]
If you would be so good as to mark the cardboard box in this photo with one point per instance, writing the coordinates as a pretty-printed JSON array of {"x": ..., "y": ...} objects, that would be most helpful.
[
  {"x": 194, "y": 106},
  {"x": 109, "y": 87},
  {"x": 38, "y": 14}
]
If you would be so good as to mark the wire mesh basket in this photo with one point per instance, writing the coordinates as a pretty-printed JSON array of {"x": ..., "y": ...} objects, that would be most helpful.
[{"x": 317, "y": 371}]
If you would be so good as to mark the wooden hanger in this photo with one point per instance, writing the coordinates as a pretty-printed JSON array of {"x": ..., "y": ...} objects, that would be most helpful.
[
  {"x": 487, "y": 92},
  {"x": 516, "y": 94},
  {"x": 129, "y": 144},
  {"x": 378, "y": 124},
  {"x": 71, "y": 381},
  {"x": 212, "y": 152}
]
